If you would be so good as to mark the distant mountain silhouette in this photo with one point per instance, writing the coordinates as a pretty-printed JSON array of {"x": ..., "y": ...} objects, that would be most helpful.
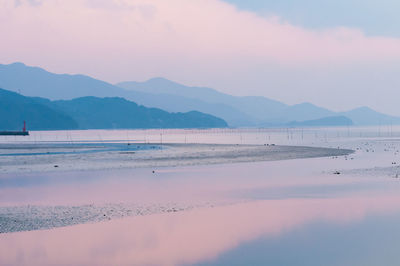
[
  {"x": 260, "y": 110},
  {"x": 256, "y": 109},
  {"x": 173, "y": 97},
  {"x": 367, "y": 116},
  {"x": 34, "y": 81},
  {"x": 96, "y": 113},
  {"x": 15, "y": 109},
  {"x": 92, "y": 113},
  {"x": 323, "y": 122},
  {"x": 175, "y": 103},
  {"x": 305, "y": 111}
]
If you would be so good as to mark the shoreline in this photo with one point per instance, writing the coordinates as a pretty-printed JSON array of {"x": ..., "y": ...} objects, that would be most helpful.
[{"x": 20, "y": 158}]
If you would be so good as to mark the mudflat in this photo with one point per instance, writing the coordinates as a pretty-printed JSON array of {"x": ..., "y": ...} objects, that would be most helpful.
[{"x": 23, "y": 158}]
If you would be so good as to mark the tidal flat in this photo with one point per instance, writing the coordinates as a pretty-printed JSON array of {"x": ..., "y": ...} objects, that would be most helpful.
[
  {"x": 216, "y": 212},
  {"x": 20, "y": 158}
]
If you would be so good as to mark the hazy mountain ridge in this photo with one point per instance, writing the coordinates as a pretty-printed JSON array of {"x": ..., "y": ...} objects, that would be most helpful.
[
  {"x": 37, "y": 82},
  {"x": 256, "y": 108},
  {"x": 92, "y": 113},
  {"x": 15, "y": 108},
  {"x": 324, "y": 122},
  {"x": 174, "y": 103},
  {"x": 263, "y": 111},
  {"x": 97, "y": 113},
  {"x": 173, "y": 97},
  {"x": 363, "y": 115}
]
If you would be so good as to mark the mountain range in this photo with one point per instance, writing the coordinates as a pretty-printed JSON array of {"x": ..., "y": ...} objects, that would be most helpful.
[
  {"x": 260, "y": 111},
  {"x": 15, "y": 108},
  {"x": 93, "y": 113},
  {"x": 248, "y": 111}
]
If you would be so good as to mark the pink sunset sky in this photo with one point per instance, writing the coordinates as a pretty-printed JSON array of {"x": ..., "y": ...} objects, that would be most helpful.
[{"x": 204, "y": 43}]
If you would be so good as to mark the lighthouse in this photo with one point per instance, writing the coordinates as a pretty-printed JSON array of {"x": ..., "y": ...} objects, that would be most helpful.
[{"x": 24, "y": 132}]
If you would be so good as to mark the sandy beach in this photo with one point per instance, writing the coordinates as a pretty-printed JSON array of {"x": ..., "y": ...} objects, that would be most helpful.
[{"x": 25, "y": 158}]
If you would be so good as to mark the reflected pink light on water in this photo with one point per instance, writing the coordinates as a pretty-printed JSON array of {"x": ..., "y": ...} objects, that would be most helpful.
[
  {"x": 175, "y": 184},
  {"x": 185, "y": 237}
]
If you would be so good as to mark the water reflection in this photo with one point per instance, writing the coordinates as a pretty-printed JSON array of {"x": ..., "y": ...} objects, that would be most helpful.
[
  {"x": 183, "y": 238},
  {"x": 263, "y": 180},
  {"x": 370, "y": 242}
]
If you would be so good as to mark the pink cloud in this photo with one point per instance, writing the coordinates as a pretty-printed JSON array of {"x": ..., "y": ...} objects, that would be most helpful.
[{"x": 203, "y": 31}]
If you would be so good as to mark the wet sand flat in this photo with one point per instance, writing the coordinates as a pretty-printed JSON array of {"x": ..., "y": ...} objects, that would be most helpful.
[{"x": 21, "y": 158}]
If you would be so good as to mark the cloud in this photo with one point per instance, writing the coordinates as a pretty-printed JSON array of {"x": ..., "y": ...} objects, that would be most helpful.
[
  {"x": 206, "y": 42},
  {"x": 18, "y": 3},
  {"x": 196, "y": 27}
]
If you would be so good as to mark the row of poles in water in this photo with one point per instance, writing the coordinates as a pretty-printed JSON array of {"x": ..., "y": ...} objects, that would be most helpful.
[{"x": 229, "y": 135}]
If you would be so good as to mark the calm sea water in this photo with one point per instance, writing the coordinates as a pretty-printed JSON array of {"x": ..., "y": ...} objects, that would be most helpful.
[
  {"x": 285, "y": 136},
  {"x": 294, "y": 212}
]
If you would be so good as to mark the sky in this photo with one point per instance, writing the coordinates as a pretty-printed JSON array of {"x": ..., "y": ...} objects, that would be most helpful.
[
  {"x": 335, "y": 54},
  {"x": 373, "y": 17}
]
